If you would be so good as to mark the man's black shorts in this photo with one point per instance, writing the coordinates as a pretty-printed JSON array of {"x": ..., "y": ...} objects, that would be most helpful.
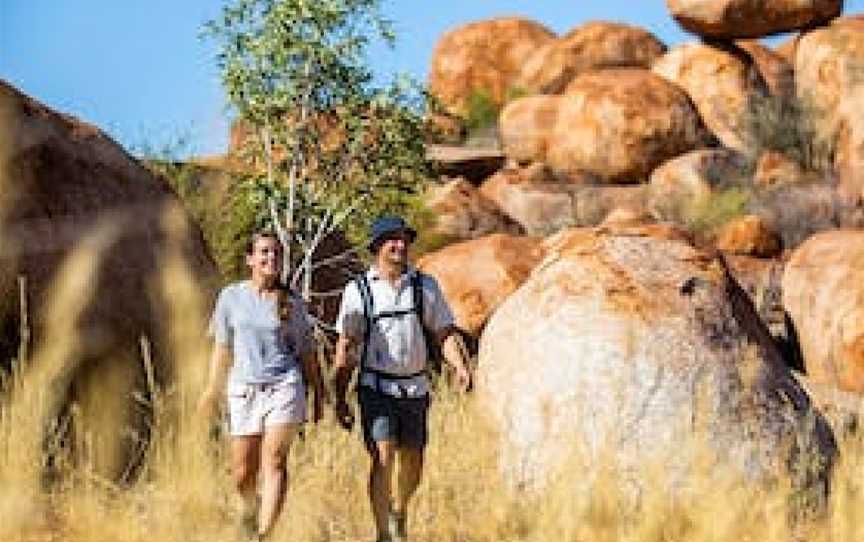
[{"x": 403, "y": 420}]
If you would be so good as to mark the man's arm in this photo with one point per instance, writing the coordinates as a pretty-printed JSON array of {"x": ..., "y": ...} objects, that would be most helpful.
[
  {"x": 315, "y": 383},
  {"x": 344, "y": 363},
  {"x": 456, "y": 355}
]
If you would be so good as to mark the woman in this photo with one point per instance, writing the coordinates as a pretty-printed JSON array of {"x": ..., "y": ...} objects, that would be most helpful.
[{"x": 263, "y": 348}]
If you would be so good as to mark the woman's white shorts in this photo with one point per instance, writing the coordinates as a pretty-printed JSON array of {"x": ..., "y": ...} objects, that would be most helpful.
[{"x": 253, "y": 407}]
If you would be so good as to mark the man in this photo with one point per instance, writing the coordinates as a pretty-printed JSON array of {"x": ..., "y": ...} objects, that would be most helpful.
[{"x": 380, "y": 329}]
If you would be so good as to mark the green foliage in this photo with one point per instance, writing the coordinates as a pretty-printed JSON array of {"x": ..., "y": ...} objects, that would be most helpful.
[
  {"x": 331, "y": 149},
  {"x": 707, "y": 214},
  {"x": 481, "y": 111},
  {"x": 516, "y": 92},
  {"x": 789, "y": 125}
]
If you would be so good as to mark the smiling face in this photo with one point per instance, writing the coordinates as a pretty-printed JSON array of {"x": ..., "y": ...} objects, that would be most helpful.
[
  {"x": 393, "y": 250},
  {"x": 264, "y": 259}
]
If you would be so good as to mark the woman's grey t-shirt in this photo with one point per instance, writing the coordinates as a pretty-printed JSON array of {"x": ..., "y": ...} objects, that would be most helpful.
[{"x": 265, "y": 350}]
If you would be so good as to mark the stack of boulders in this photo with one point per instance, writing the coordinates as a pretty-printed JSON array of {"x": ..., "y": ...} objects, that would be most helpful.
[
  {"x": 605, "y": 120},
  {"x": 623, "y": 324}
]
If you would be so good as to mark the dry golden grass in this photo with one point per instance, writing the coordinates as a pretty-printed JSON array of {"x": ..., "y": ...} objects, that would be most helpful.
[
  {"x": 184, "y": 492},
  {"x": 185, "y": 495}
]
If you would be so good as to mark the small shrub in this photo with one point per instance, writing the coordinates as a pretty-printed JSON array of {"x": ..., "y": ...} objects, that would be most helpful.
[
  {"x": 481, "y": 111},
  {"x": 789, "y": 126},
  {"x": 706, "y": 214}
]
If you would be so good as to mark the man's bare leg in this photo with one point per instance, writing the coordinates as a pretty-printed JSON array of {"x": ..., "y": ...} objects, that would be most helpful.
[
  {"x": 380, "y": 478},
  {"x": 410, "y": 462}
]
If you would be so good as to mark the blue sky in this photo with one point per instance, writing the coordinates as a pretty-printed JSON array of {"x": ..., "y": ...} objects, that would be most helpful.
[{"x": 138, "y": 70}]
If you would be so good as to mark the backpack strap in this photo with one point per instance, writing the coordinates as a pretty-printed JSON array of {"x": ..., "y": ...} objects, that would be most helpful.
[
  {"x": 371, "y": 317},
  {"x": 368, "y": 314},
  {"x": 433, "y": 349},
  {"x": 417, "y": 286}
]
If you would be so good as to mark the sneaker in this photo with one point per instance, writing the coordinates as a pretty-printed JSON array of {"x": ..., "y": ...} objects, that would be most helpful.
[{"x": 397, "y": 526}]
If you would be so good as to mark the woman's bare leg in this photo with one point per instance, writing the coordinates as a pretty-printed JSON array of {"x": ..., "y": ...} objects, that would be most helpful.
[
  {"x": 274, "y": 453},
  {"x": 245, "y": 456}
]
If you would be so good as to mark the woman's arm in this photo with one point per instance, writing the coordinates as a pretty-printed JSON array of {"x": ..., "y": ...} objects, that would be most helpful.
[{"x": 220, "y": 364}]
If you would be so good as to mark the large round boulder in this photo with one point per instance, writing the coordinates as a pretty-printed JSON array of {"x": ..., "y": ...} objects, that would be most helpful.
[
  {"x": 526, "y": 127},
  {"x": 828, "y": 67},
  {"x": 721, "y": 86},
  {"x": 823, "y": 291},
  {"x": 93, "y": 235},
  {"x": 616, "y": 125},
  {"x": 630, "y": 348},
  {"x": 619, "y": 124},
  {"x": 733, "y": 19},
  {"x": 483, "y": 57},
  {"x": 498, "y": 265},
  {"x": 849, "y": 156},
  {"x": 594, "y": 45}
]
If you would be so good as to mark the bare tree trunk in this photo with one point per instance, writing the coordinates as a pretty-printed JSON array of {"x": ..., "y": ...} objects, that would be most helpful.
[{"x": 284, "y": 236}]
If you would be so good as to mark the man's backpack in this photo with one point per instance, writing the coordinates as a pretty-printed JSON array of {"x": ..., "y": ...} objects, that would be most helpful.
[{"x": 433, "y": 349}]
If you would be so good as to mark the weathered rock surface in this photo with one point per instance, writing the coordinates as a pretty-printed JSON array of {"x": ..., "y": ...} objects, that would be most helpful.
[
  {"x": 823, "y": 291},
  {"x": 533, "y": 197},
  {"x": 631, "y": 345},
  {"x": 463, "y": 213},
  {"x": 544, "y": 203},
  {"x": 721, "y": 86},
  {"x": 774, "y": 68},
  {"x": 762, "y": 279},
  {"x": 91, "y": 229},
  {"x": 498, "y": 265},
  {"x": 594, "y": 203},
  {"x": 622, "y": 124},
  {"x": 627, "y": 216},
  {"x": 842, "y": 409},
  {"x": 614, "y": 124},
  {"x": 483, "y": 57},
  {"x": 774, "y": 169},
  {"x": 732, "y": 19},
  {"x": 849, "y": 157},
  {"x": 526, "y": 127},
  {"x": 594, "y": 45},
  {"x": 473, "y": 164},
  {"x": 748, "y": 235},
  {"x": 798, "y": 210},
  {"x": 681, "y": 187},
  {"x": 828, "y": 66}
]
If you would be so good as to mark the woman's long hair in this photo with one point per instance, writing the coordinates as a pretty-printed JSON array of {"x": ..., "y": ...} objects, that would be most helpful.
[{"x": 283, "y": 291}]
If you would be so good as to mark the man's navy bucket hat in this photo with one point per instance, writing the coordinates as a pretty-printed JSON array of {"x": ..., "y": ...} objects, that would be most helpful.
[{"x": 386, "y": 226}]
